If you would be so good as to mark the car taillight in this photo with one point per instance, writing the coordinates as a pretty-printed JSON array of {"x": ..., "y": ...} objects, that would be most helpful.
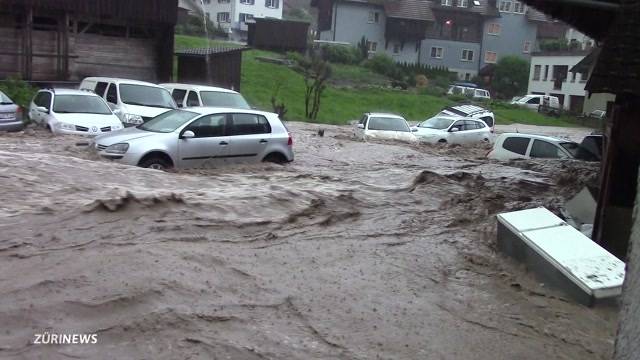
[
  {"x": 19, "y": 112},
  {"x": 290, "y": 141}
]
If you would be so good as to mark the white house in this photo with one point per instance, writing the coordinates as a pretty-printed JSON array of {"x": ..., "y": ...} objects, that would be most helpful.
[
  {"x": 233, "y": 15},
  {"x": 550, "y": 75}
]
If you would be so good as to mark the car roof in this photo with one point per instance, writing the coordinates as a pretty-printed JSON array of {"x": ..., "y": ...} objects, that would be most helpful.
[
  {"x": 198, "y": 87},
  {"x": 65, "y": 91},
  {"x": 386, "y": 115},
  {"x": 465, "y": 110},
  {"x": 122, "y": 81},
  {"x": 203, "y": 110},
  {"x": 534, "y": 136}
]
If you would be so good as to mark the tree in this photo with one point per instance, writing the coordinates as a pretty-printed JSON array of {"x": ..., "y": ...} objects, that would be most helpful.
[
  {"x": 316, "y": 72},
  {"x": 511, "y": 77}
]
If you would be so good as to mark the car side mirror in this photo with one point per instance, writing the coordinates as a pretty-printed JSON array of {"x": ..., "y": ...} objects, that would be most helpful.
[
  {"x": 188, "y": 135},
  {"x": 454, "y": 129},
  {"x": 42, "y": 109},
  {"x": 360, "y": 126}
]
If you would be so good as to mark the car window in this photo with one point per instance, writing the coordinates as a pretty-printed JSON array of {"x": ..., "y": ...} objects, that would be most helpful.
[
  {"x": 143, "y": 95},
  {"x": 487, "y": 120},
  {"x": 178, "y": 96},
  {"x": 388, "y": 124},
  {"x": 224, "y": 99},
  {"x": 247, "y": 124},
  {"x": 209, "y": 126},
  {"x": 192, "y": 99},
  {"x": 543, "y": 149},
  {"x": 4, "y": 99},
  {"x": 80, "y": 104},
  {"x": 43, "y": 99},
  {"x": 517, "y": 145},
  {"x": 459, "y": 124},
  {"x": 100, "y": 88},
  {"x": 363, "y": 120},
  {"x": 112, "y": 94},
  {"x": 436, "y": 123},
  {"x": 535, "y": 101},
  {"x": 169, "y": 121}
]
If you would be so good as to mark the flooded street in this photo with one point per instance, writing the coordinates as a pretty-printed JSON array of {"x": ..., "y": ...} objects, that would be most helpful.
[{"x": 356, "y": 250}]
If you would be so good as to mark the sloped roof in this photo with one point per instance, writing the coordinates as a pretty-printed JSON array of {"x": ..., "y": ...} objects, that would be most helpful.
[
  {"x": 484, "y": 7},
  {"x": 536, "y": 15},
  {"x": 409, "y": 9}
]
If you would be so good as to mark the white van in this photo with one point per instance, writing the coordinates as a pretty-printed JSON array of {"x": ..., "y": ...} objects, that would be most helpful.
[
  {"x": 475, "y": 93},
  {"x": 534, "y": 101},
  {"x": 187, "y": 95},
  {"x": 134, "y": 102}
]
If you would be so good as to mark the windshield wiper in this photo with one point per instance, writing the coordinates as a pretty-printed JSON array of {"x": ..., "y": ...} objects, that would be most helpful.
[{"x": 6, "y": 103}]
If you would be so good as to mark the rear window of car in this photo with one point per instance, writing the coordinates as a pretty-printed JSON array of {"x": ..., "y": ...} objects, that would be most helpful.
[
  {"x": 388, "y": 124},
  {"x": 517, "y": 145},
  {"x": 4, "y": 99},
  {"x": 487, "y": 120}
]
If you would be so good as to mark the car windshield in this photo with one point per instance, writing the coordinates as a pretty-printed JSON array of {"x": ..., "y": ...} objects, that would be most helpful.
[
  {"x": 4, "y": 99},
  {"x": 80, "y": 104},
  {"x": 436, "y": 123},
  {"x": 388, "y": 124},
  {"x": 168, "y": 122},
  {"x": 571, "y": 147},
  {"x": 223, "y": 99},
  {"x": 143, "y": 95}
]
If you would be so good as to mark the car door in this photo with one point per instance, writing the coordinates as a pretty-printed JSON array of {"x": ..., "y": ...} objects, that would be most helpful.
[
  {"x": 208, "y": 146},
  {"x": 249, "y": 136},
  {"x": 533, "y": 103},
  {"x": 460, "y": 136},
  {"x": 541, "y": 149},
  {"x": 474, "y": 131}
]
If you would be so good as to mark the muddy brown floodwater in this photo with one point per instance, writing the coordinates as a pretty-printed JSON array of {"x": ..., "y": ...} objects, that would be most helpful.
[{"x": 357, "y": 250}]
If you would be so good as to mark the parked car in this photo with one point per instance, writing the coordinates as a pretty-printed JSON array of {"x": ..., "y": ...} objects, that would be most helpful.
[
  {"x": 597, "y": 114},
  {"x": 134, "y": 102},
  {"x": 472, "y": 92},
  {"x": 534, "y": 102},
  {"x": 66, "y": 111},
  {"x": 200, "y": 136},
  {"x": 452, "y": 129},
  {"x": 10, "y": 114},
  {"x": 471, "y": 111},
  {"x": 186, "y": 95},
  {"x": 525, "y": 146},
  {"x": 591, "y": 148},
  {"x": 383, "y": 126}
]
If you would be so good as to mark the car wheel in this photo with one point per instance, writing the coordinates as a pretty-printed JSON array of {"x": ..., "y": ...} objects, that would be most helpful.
[
  {"x": 485, "y": 140},
  {"x": 156, "y": 163},
  {"x": 442, "y": 141},
  {"x": 275, "y": 158}
]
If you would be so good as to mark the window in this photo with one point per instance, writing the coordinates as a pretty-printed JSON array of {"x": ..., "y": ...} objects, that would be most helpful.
[
  {"x": 537, "y": 69},
  {"x": 272, "y": 4},
  {"x": 436, "y": 52},
  {"x": 517, "y": 145},
  {"x": 543, "y": 149},
  {"x": 458, "y": 124},
  {"x": 206, "y": 2},
  {"x": 374, "y": 17},
  {"x": 224, "y": 1},
  {"x": 388, "y": 124},
  {"x": 487, "y": 119},
  {"x": 247, "y": 2},
  {"x": 245, "y": 17},
  {"x": 192, "y": 99},
  {"x": 467, "y": 77},
  {"x": 467, "y": 55},
  {"x": 396, "y": 49},
  {"x": 526, "y": 48},
  {"x": 494, "y": 29},
  {"x": 248, "y": 124},
  {"x": 546, "y": 72},
  {"x": 584, "y": 76},
  {"x": 208, "y": 126},
  {"x": 112, "y": 94},
  {"x": 463, "y": 3},
  {"x": 372, "y": 46},
  {"x": 518, "y": 7},
  {"x": 534, "y": 101},
  {"x": 491, "y": 57},
  {"x": 43, "y": 99},
  {"x": 573, "y": 77},
  {"x": 178, "y": 96},
  {"x": 505, "y": 5},
  {"x": 80, "y": 104},
  {"x": 223, "y": 17},
  {"x": 101, "y": 87},
  {"x": 446, "y": 2}
]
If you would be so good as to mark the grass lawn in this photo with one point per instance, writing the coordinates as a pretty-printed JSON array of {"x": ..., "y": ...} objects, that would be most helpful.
[
  {"x": 190, "y": 42},
  {"x": 341, "y": 104}
]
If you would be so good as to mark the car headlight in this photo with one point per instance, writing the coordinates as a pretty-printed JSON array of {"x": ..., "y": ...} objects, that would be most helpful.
[
  {"x": 116, "y": 127},
  {"x": 119, "y": 148},
  {"x": 65, "y": 126},
  {"x": 133, "y": 119}
]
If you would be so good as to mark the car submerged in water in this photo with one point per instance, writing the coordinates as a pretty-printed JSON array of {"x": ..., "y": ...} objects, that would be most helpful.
[
  {"x": 10, "y": 114},
  {"x": 383, "y": 126},
  {"x": 200, "y": 137}
]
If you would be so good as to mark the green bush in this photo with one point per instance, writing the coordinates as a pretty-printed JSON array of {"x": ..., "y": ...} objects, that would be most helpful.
[
  {"x": 382, "y": 64},
  {"x": 341, "y": 54},
  {"x": 19, "y": 91},
  {"x": 434, "y": 91}
]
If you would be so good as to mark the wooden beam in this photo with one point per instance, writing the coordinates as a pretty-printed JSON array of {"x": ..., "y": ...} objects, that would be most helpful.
[{"x": 28, "y": 44}]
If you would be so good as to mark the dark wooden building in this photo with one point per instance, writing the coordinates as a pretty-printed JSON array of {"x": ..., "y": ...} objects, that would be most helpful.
[
  {"x": 279, "y": 35},
  {"x": 220, "y": 67},
  {"x": 67, "y": 40}
]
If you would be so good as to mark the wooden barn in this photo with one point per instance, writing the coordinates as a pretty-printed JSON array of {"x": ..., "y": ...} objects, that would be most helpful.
[
  {"x": 67, "y": 40},
  {"x": 220, "y": 66}
]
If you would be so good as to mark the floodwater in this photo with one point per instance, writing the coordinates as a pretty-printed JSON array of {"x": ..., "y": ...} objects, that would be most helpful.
[{"x": 357, "y": 250}]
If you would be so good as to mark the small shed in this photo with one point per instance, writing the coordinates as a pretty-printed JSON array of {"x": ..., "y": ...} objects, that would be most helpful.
[
  {"x": 279, "y": 35},
  {"x": 220, "y": 66}
]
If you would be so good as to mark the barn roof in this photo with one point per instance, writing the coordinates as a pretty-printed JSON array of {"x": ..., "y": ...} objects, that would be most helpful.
[
  {"x": 142, "y": 11},
  {"x": 409, "y": 9},
  {"x": 201, "y": 52}
]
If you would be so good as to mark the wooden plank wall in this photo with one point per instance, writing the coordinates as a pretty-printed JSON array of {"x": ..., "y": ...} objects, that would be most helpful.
[{"x": 10, "y": 65}]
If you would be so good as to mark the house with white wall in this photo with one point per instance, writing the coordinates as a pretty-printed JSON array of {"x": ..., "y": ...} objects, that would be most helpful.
[{"x": 234, "y": 15}]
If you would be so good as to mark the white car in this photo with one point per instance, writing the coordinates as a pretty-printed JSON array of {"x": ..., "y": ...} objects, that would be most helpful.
[
  {"x": 384, "y": 126},
  {"x": 527, "y": 146},
  {"x": 66, "y": 111},
  {"x": 533, "y": 101},
  {"x": 134, "y": 102},
  {"x": 475, "y": 93},
  {"x": 187, "y": 95},
  {"x": 453, "y": 130},
  {"x": 471, "y": 111}
]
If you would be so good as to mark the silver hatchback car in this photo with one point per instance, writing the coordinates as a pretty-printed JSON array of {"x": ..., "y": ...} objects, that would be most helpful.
[{"x": 200, "y": 137}]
